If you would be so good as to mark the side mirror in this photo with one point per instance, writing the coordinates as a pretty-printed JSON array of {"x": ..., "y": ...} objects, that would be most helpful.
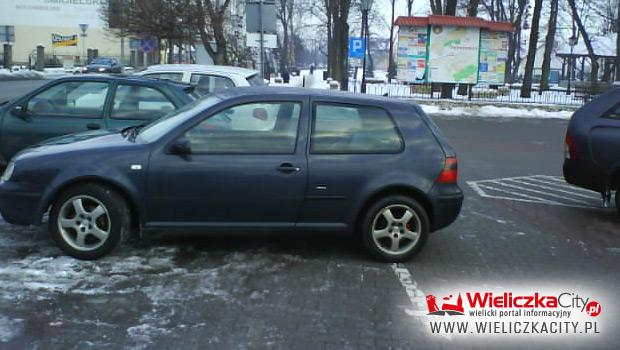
[
  {"x": 181, "y": 147},
  {"x": 19, "y": 111}
]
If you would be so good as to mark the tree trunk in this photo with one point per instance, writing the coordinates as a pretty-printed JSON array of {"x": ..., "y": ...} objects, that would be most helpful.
[
  {"x": 409, "y": 7},
  {"x": 526, "y": 88},
  {"x": 587, "y": 42},
  {"x": 391, "y": 68},
  {"x": 549, "y": 41},
  {"x": 618, "y": 45}
]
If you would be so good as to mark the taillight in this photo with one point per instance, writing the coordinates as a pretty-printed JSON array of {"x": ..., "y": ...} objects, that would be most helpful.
[
  {"x": 450, "y": 172},
  {"x": 570, "y": 150}
]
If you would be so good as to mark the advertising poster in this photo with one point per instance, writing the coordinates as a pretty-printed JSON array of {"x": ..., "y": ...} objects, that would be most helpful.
[
  {"x": 453, "y": 54},
  {"x": 411, "y": 56},
  {"x": 493, "y": 54}
]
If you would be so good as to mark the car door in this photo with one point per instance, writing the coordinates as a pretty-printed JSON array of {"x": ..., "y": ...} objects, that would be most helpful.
[
  {"x": 63, "y": 108},
  {"x": 251, "y": 172},
  {"x": 350, "y": 145},
  {"x": 135, "y": 104}
]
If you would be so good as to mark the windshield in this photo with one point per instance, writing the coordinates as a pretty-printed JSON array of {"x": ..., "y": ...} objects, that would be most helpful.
[
  {"x": 163, "y": 125},
  {"x": 255, "y": 80},
  {"x": 101, "y": 61}
]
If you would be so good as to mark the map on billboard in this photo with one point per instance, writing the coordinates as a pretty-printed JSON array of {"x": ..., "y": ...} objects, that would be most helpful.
[
  {"x": 493, "y": 55},
  {"x": 453, "y": 54},
  {"x": 411, "y": 54}
]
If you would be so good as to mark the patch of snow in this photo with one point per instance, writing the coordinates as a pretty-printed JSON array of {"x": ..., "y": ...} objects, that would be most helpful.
[{"x": 495, "y": 112}]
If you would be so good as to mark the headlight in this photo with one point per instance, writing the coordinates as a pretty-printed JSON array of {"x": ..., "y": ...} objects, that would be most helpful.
[
  {"x": 8, "y": 172},
  {"x": 102, "y": 69}
]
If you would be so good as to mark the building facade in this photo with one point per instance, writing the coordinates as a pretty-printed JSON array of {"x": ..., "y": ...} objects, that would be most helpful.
[{"x": 26, "y": 24}]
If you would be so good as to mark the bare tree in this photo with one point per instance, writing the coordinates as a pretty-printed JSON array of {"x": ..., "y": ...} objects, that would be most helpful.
[
  {"x": 211, "y": 19},
  {"x": 618, "y": 44},
  {"x": 526, "y": 88},
  {"x": 586, "y": 41},
  {"x": 549, "y": 41},
  {"x": 284, "y": 12},
  {"x": 409, "y": 7},
  {"x": 391, "y": 65}
]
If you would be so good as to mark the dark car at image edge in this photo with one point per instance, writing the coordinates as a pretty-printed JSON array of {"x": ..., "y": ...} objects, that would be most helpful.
[
  {"x": 592, "y": 146},
  {"x": 288, "y": 159}
]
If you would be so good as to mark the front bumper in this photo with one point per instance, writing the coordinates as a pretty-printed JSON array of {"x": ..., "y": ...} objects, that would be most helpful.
[
  {"x": 446, "y": 201},
  {"x": 19, "y": 205}
]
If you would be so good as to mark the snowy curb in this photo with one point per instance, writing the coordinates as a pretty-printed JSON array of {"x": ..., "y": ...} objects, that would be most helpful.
[{"x": 490, "y": 110}]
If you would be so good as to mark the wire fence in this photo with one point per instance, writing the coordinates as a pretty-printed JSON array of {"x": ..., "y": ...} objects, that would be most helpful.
[{"x": 578, "y": 94}]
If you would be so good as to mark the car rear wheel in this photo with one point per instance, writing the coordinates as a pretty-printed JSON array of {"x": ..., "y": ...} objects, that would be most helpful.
[
  {"x": 88, "y": 221},
  {"x": 395, "y": 228}
]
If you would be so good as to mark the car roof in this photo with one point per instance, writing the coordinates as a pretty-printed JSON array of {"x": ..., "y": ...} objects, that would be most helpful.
[
  {"x": 123, "y": 78},
  {"x": 345, "y": 97},
  {"x": 197, "y": 68}
]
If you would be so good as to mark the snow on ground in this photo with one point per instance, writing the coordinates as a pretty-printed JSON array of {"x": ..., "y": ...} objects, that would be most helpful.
[
  {"x": 25, "y": 74},
  {"x": 494, "y": 112}
]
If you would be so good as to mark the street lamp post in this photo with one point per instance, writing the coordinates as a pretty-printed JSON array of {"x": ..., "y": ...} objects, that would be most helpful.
[{"x": 366, "y": 5}]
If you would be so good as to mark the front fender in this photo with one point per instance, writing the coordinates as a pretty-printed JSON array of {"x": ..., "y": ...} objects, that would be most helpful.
[{"x": 129, "y": 183}]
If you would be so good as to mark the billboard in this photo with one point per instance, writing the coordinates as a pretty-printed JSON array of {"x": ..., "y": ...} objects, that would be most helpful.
[
  {"x": 453, "y": 54},
  {"x": 64, "y": 40},
  {"x": 411, "y": 54},
  {"x": 493, "y": 55}
]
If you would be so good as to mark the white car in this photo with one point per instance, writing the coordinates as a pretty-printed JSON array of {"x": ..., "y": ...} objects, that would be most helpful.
[{"x": 206, "y": 78}]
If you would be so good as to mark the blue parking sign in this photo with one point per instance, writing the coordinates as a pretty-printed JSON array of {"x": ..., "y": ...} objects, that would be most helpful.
[{"x": 357, "y": 46}]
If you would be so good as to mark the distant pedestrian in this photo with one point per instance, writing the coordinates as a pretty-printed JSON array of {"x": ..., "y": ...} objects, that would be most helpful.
[{"x": 309, "y": 80}]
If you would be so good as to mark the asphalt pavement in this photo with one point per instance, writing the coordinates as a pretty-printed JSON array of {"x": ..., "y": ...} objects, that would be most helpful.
[{"x": 311, "y": 291}]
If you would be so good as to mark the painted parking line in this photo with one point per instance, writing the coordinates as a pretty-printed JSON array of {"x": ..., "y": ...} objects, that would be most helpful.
[{"x": 540, "y": 189}]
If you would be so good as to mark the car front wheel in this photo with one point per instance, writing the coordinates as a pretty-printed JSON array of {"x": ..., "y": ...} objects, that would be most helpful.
[
  {"x": 88, "y": 221},
  {"x": 395, "y": 228}
]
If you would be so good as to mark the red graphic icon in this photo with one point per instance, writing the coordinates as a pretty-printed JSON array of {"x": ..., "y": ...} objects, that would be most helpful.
[
  {"x": 446, "y": 308},
  {"x": 593, "y": 308}
]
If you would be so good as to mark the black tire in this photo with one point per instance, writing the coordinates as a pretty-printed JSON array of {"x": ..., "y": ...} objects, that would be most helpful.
[
  {"x": 118, "y": 220},
  {"x": 396, "y": 202}
]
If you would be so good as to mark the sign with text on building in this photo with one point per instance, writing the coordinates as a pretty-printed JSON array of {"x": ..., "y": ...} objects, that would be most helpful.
[
  {"x": 453, "y": 54},
  {"x": 64, "y": 40},
  {"x": 493, "y": 56},
  {"x": 411, "y": 54}
]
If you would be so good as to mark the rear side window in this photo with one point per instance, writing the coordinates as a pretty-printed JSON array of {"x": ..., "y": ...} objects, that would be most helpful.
[
  {"x": 210, "y": 83},
  {"x": 338, "y": 129},
  {"x": 613, "y": 113},
  {"x": 140, "y": 102},
  {"x": 255, "y": 80}
]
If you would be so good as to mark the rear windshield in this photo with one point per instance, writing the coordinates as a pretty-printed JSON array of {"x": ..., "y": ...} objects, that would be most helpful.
[
  {"x": 101, "y": 61},
  {"x": 255, "y": 80}
]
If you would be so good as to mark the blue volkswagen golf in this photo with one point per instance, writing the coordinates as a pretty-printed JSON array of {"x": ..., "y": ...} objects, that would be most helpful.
[{"x": 245, "y": 158}]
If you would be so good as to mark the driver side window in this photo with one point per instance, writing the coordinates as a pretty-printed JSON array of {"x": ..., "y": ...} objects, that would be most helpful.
[
  {"x": 72, "y": 98},
  {"x": 252, "y": 128}
]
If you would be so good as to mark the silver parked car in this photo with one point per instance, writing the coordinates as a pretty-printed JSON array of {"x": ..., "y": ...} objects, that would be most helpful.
[{"x": 207, "y": 78}]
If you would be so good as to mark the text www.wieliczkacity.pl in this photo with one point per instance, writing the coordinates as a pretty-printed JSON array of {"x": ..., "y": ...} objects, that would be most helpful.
[{"x": 513, "y": 327}]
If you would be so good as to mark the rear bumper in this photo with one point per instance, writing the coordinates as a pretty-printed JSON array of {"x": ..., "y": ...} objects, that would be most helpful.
[
  {"x": 447, "y": 201},
  {"x": 19, "y": 206},
  {"x": 583, "y": 176}
]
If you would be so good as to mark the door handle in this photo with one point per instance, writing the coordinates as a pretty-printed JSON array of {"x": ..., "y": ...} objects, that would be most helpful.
[
  {"x": 287, "y": 168},
  {"x": 93, "y": 126}
]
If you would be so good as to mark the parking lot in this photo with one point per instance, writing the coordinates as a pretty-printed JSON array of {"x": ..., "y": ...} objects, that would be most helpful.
[{"x": 520, "y": 225}]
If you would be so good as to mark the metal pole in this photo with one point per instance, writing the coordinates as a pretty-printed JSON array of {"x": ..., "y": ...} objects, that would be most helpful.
[
  {"x": 262, "y": 47},
  {"x": 364, "y": 20}
]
